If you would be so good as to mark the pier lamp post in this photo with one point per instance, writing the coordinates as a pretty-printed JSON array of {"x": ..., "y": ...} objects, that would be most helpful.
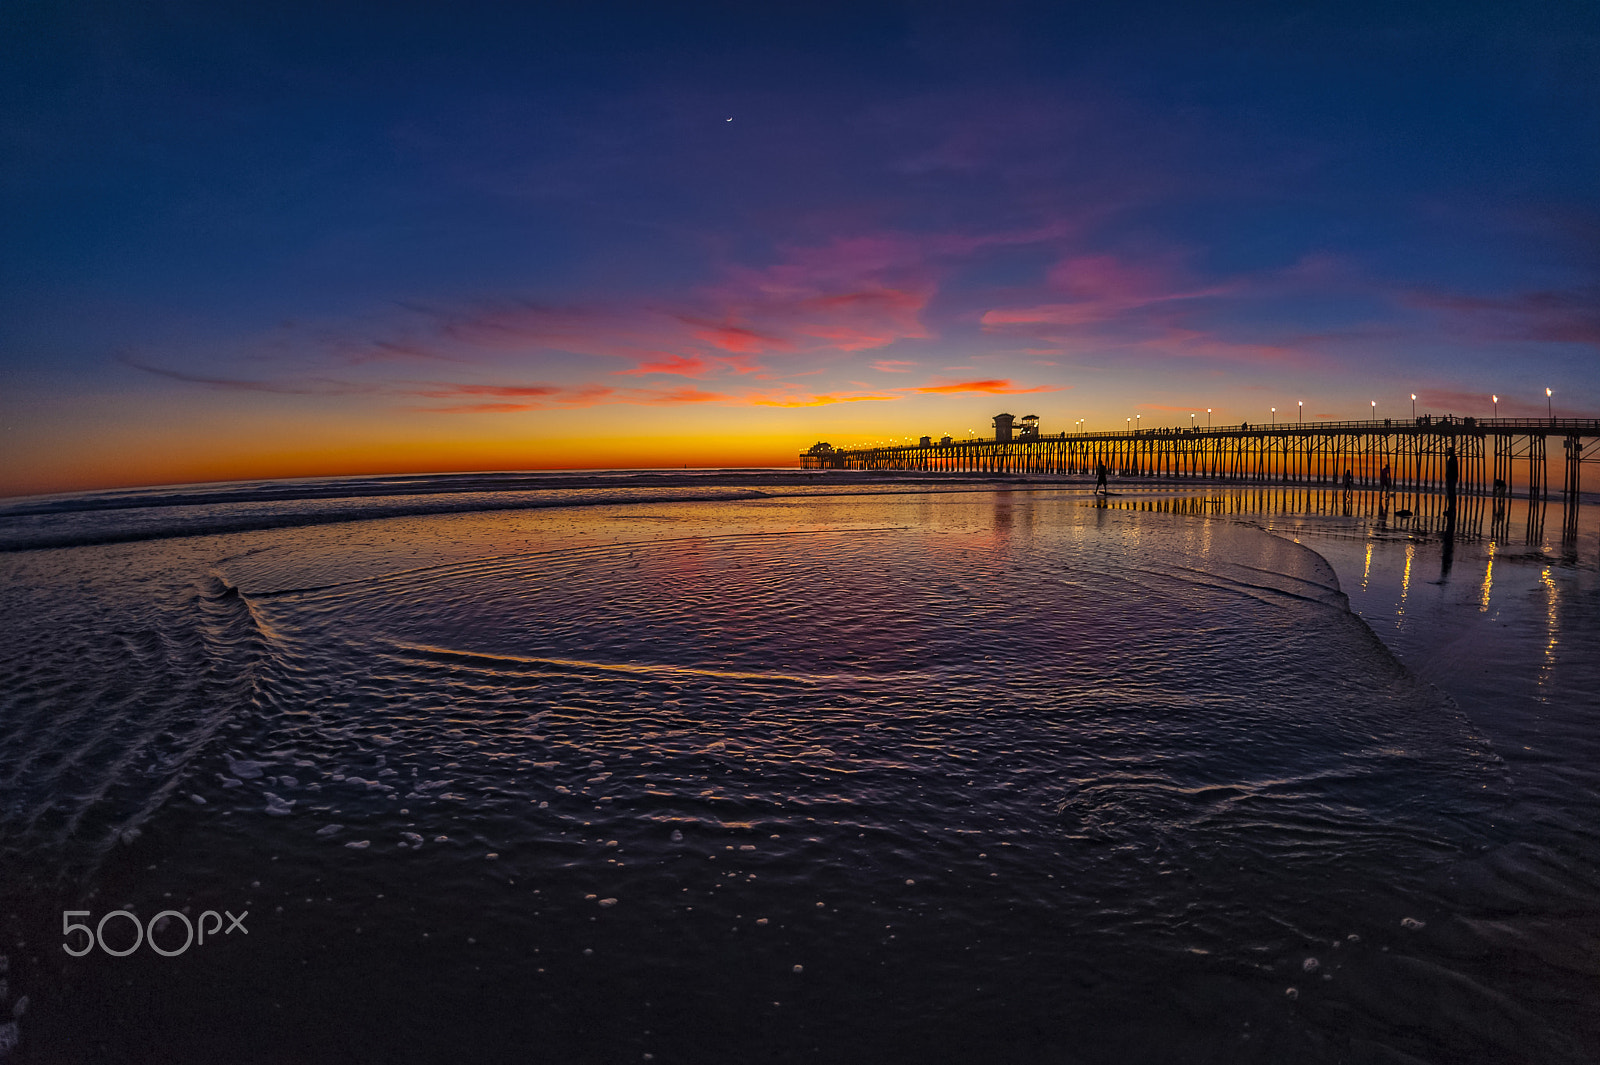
[
  {"x": 1208, "y": 417},
  {"x": 1127, "y": 424},
  {"x": 1274, "y": 415},
  {"x": 1302, "y": 417},
  {"x": 1496, "y": 405},
  {"x": 1374, "y": 410},
  {"x": 1413, "y": 406},
  {"x": 1191, "y": 423},
  {"x": 1548, "y": 410},
  {"x": 1136, "y": 417}
]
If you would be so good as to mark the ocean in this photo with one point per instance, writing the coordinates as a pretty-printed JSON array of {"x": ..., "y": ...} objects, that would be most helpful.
[{"x": 711, "y": 766}]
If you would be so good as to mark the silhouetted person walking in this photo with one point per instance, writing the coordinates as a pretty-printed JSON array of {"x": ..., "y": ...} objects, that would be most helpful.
[
  {"x": 1451, "y": 472},
  {"x": 1100, "y": 477},
  {"x": 1383, "y": 478}
]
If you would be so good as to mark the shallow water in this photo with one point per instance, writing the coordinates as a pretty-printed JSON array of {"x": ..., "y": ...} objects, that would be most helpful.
[{"x": 830, "y": 778}]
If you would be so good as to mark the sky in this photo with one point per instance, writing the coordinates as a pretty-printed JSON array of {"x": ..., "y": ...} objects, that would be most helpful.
[{"x": 304, "y": 239}]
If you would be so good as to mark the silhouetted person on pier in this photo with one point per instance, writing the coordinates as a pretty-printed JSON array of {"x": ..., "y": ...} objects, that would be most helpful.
[
  {"x": 1100, "y": 477},
  {"x": 1383, "y": 478},
  {"x": 1349, "y": 481}
]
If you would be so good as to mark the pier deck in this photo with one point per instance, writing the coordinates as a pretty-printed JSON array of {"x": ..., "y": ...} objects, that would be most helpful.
[{"x": 1498, "y": 455}]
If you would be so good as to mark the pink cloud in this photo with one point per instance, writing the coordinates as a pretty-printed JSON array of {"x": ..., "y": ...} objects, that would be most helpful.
[
  {"x": 547, "y": 397},
  {"x": 893, "y": 365},
  {"x": 819, "y": 400},
  {"x": 544, "y": 397},
  {"x": 739, "y": 339},
  {"x": 1480, "y": 404},
  {"x": 447, "y": 390},
  {"x": 670, "y": 364},
  {"x": 1101, "y": 288},
  {"x": 478, "y": 408},
  {"x": 993, "y": 387},
  {"x": 674, "y": 395},
  {"x": 1554, "y": 316}
]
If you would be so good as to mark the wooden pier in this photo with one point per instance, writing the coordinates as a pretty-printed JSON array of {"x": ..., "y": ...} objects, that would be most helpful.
[{"x": 1493, "y": 456}]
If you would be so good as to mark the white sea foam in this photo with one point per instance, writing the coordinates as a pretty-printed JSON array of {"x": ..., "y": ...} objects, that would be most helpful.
[{"x": 243, "y": 768}]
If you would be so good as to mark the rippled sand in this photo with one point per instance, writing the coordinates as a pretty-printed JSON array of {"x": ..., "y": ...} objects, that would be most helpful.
[{"x": 996, "y": 776}]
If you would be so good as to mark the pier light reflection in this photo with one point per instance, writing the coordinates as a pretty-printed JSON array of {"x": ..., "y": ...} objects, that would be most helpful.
[
  {"x": 1552, "y": 623},
  {"x": 1488, "y": 580},
  {"x": 1405, "y": 579}
]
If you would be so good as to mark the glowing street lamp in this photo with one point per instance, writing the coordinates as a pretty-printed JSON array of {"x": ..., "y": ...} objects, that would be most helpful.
[
  {"x": 1208, "y": 417},
  {"x": 1191, "y": 423},
  {"x": 1413, "y": 406},
  {"x": 1374, "y": 410},
  {"x": 1136, "y": 418},
  {"x": 1302, "y": 411},
  {"x": 1549, "y": 413},
  {"x": 1496, "y": 405},
  {"x": 1274, "y": 415}
]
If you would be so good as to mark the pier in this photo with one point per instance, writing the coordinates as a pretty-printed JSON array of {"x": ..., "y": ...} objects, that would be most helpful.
[{"x": 1501, "y": 456}]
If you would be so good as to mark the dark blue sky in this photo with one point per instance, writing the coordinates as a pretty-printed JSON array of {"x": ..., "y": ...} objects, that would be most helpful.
[{"x": 328, "y": 237}]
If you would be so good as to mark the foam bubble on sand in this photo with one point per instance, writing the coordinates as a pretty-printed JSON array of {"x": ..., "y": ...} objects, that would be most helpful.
[
  {"x": 1311, "y": 965},
  {"x": 1412, "y": 924},
  {"x": 608, "y": 902},
  {"x": 359, "y": 845},
  {"x": 278, "y": 807},
  {"x": 1291, "y": 992},
  {"x": 328, "y": 830},
  {"x": 411, "y": 837},
  {"x": 799, "y": 968},
  {"x": 677, "y": 835},
  {"x": 243, "y": 768},
  {"x": 198, "y": 799},
  {"x": 441, "y": 839},
  {"x": 288, "y": 782}
]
